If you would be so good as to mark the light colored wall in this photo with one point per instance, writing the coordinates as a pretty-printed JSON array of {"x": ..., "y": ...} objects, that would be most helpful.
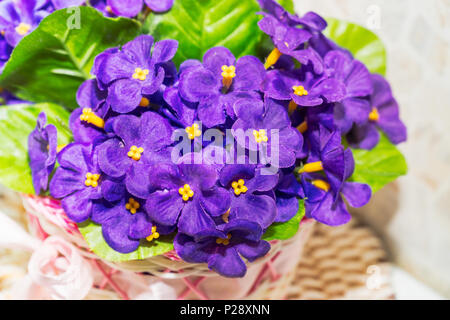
[{"x": 414, "y": 214}]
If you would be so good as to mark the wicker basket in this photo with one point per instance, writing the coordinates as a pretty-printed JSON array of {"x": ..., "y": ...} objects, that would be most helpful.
[{"x": 266, "y": 278}]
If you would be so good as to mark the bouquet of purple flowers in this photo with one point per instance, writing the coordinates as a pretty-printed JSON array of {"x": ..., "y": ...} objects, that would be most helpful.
[{"x": 205, "y": 127}]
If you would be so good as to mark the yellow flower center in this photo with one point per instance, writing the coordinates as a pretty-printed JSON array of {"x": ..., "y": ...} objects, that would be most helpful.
[
  {"x": 186, "y": 192},
  {"x": 229, "y": 72},
  {"x": 135, "y": 153},
  {"x": 132, "y": 206},
  {"x": 140, "y": 74},
  {"x": 374, "y": 115},
  {"x": 320, "y": 184},
  {"x": 226, "y": 215},
  {"x": 225, "y": 241},
  {"x": 260, "y": 135},
  {"x": 91, "y": 180},
  {"x": 193, "y": 131},
  {"x": 292, "y": 107},
  {"x": 154, "y": 235},
  {"x": 239, "y": 187},
  {"x": 312, "y": 167},
  {"x": 108, "y": 9},
  {"x": 92, "y": 118},
  {"x": 272, "y": 58},
  {"x": 302, "y": 127},
  {"x": 144, "y": 102},
  {"x": 300, "y": 91},
  {"x": 23, "y": 28}
]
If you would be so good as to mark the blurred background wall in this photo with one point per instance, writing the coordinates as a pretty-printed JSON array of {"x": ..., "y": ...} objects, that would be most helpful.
[{"x": 412, "y": 215}]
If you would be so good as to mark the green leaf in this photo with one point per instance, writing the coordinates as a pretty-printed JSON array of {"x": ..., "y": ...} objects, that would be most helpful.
[
  {"x": 199, "y": 25},
  {"x": 379, "y": 166},
  {"x": 51, "y": 63},
  {"x": 361, "y": 42},
  {"x": 16, "y": 123},
  {"x": 92, "y": 233},
  {"x": 288, "y": 229},
  {"x": 288, "y": 5}
]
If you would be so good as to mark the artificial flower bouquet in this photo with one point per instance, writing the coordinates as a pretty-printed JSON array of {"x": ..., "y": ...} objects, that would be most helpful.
[{"x": 200, "y": 132}]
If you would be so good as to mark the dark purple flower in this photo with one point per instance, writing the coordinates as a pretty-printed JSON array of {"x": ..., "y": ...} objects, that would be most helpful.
[
  {"x": 327, "y": 206},
  {"x": 251, "y": 192},
  {"x": 92, "y": 101},
  {"x": 124, "y": 222},
  {"x": 222, "y": 249},
  {"x": 42, "y": 148},
  {"x": 219, "y": 82},
  {"x": 18, "y": 18},
  {"x": 269, "y": 128},
  {"x": 62, "y": 4},
  {"x": 5, "y": 52},
  {"x": 302, "y": 87},
  {"x": 186, "y": 196},
  {"x": 133, "y": 144},
  {"x": 77, "y": 181},
  {"x": 327, "y": 154},
  {"x": 384, "y": 115},
  {"x": 354, "y": 107},
  {"x": 135, "y": 72},
  {"x": 287, "y": 192}
]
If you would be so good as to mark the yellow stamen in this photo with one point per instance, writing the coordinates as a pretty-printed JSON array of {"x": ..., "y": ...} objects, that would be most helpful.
[
  {"x": 312, "y": 167},
  {"x": 140, "y": 74},
  {"x": 374, "y": 115},
  {"x": 239, "y": 187},
  {"x": 23, "y": 28},
  {"x": 186, "y": 192},
  {"x": 300, "y": 91},
  {"x": 144, "y": 102},
  {"x": 292, "y": 107},
  {"x": 229, "y": 72},
  {"x": 2, "y": 32},
  {"x": 154, "y": 235},
  {"x": 320, "y": 184},
  {"x": 226, "y": 215},
  {"x": 60, "y": 147},
  {"x": 225, "y": 241},
  {"x": 135, "y": 153},
  {"x": 193, "y": 131},
  {"x": 132, "y": 206},
  {"x": 92, "y": 118},
  {"x": 91, "y": 180},
  {"x": 272, "y": 58},
  {"x": 302, "y": 127},
  {"x": 260, "y": 135},
  {"x": 108, "y": 9}
]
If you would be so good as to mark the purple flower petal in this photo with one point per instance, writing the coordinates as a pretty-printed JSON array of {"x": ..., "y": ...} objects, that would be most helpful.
[
  {"x": 216, "y": 57},
  {"x": 159, "y": 5},
  {"x": 249, "y": 74},
  {"x": 113, "y": 159},
  {"x": 197, "y": 83},
  {"x": 357, "y": 194},
  {"x": 125, "y": 8},
  {"x": 253, "y": 250},
  {"x": 78, "y": 206},
  {"x": 115, "y": 232},
  {"x": 227, "y": 262},
  {"x": 194, "y": 219},
  {"x": 164, "y": 50},
  {"x": 164, "y": 207},
  {"x": 140, "y": 226},
  {"x": 124, "y": 95}
]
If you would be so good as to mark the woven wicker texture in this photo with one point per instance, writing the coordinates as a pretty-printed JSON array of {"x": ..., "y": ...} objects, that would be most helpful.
[{"x": 346, "y": 262}]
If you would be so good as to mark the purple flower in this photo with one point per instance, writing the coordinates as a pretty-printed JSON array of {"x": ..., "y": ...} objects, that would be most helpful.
[
  {"x": 384, "y": 115},
  {"x": 42, "y": 148},
  {"x": 186, "y": 196},
  {"x": 89, "y": 97},
  {"x": 77, "y": 181},
  {"x": 269, "y": 128},
  {"x": 133, "y": 144},
  {"x": 354, "y": 76},
  {"x": 124, "y": 222},
  {"x": 61, "y": 4},
  {"x": 19, "y": 17},
  {"x": 183, "y": 113},
  {"x": 251, "y": 192},
  {"x": 302, "y": 87},
  {"x": 325, "y": 205},
  {"x": 134, "y": 72},
  {"x": 326, "y": 153},
  {"x": 5, "y": 52},
  {"x": 222, "y": 249},
  {"x": 287, "y": 192},
  {"x": 130, "y": 8},
  {"x": 219, "y": 82}
]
